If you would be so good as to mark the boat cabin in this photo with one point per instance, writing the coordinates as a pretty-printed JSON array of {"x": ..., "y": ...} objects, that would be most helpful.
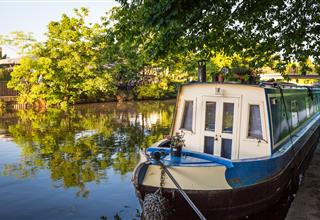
[{"x": 238, "y": 121}]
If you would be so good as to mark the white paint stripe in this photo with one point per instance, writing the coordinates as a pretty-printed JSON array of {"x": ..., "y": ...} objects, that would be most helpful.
[{"x": 189, "y": 178}]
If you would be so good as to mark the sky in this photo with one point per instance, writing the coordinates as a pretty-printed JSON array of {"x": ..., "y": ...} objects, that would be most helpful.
[{"x": 34, "y": 15}]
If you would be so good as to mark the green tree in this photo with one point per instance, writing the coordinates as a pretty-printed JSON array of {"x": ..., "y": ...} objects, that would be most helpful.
[
  {"x": 19, "y": 40},
  {"x": 239, "y": 67},
  {"x": 264, "y": 30},
  {"x": 135, "y": 73},
  {"x": 124, "y": 55},
  {"x": 66, "y": 67}
]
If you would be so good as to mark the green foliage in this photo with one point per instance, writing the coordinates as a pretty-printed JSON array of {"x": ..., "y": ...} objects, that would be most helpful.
[
  {"x": 66, "y": 66},
  {"x": 25, "y": 79},
  {"x": 303, "y": 68},
  {"x": 163, "y": 84},
  {"x": 157, "y": 90},
  {"x": 134, "y": 65},
  {"x": 20, "y": 40},
  {"x": 263, "y": 30},
  {"x": 123, "y": 55}
]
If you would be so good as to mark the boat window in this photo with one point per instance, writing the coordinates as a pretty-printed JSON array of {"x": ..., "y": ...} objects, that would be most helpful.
[
  {"x": 187, "y": 116},
  {"x": 227, "y": 124},
  {"x": 279, "y": 123},
  {"x": 208, "y": 145},
  {"x": 294, "y": 106},
  {"x": 300, "y": 107},
  {"x": 309, "y": 103},
  {"x": 210, "y": 123},
  {"x": 255, "y": 129},
  {"x": 294, "y": 114},
  {"x": 226, "y": 148}
]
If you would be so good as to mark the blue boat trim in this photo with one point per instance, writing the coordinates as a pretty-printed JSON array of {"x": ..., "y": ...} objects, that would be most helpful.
[{"x": 187, "y": 153}]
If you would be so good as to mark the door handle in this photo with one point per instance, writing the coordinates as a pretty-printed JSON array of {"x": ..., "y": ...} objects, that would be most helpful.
[{"x": 260, "y": 140}]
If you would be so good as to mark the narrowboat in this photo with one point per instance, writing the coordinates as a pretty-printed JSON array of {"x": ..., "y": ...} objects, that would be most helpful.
[{"x": 245, "y": 145}]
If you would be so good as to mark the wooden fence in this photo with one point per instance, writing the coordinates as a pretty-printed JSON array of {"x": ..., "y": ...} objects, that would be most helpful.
[{"x": 4, "y": 91}]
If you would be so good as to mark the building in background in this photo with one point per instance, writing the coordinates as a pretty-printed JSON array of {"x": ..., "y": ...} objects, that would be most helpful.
[
  {"x": 6, "y": 67},
  {"x": 309, "y": 79}
]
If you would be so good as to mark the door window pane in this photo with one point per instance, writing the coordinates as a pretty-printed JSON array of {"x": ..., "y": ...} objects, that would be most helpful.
[
  {"x": 227, "y": 125},
  {"x": 255, "y": 130},
  {"x": 226, "y": 148},
  {"x": 187, "y": 116},
  {"x": 210, "y": 123},
  {"x": 208, "y": 145}
]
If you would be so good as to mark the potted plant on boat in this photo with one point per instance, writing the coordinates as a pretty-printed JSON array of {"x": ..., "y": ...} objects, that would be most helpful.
[
  {"x": 176, "y": 144},
  {"x": 245, "y": 75}
]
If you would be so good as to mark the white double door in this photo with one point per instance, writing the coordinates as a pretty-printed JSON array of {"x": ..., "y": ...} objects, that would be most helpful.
[{"x": 220, "y": 126}]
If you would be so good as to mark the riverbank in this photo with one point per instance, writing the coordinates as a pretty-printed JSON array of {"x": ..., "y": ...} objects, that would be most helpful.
[
  {"x": 10, "y": 102},
  {"x": 306, "y": 205}
]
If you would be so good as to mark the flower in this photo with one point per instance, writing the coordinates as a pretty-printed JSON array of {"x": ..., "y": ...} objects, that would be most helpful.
[{"x": 177, "y": 140}]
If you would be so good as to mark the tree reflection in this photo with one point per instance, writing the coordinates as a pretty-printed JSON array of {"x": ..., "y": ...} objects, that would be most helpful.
[{"x": 79, "y": 146}]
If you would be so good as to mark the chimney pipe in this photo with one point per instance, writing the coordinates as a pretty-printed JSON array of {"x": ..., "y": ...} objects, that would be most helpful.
[{"x": 202, "y": 71}]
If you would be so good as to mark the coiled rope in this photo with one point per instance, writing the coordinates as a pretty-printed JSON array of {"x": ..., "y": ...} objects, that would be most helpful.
[{"x": 156, "y": 206}]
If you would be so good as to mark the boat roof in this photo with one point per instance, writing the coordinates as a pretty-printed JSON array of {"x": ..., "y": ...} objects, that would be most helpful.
[{"x": 274, "y": 85}]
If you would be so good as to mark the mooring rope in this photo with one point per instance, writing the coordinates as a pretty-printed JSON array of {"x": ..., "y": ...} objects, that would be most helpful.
[
  {"x": 149, "y": 204},
  {"x": 156, "y": 206},
  {"x": 185, "y": 196}
]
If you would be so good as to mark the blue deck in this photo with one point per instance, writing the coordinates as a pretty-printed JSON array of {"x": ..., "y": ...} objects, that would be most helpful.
[{"x": 191, "y": 158}]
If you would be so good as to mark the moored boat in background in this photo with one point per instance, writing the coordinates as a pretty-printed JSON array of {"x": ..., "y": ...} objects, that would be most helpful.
[{"x": 244, "y": 146}]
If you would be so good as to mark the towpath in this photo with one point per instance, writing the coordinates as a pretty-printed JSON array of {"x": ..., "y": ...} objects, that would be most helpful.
[{"x": 306, "y": 205}]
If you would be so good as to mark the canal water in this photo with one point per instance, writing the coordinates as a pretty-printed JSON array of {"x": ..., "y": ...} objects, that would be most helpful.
[{"x": 78, "y": 165}]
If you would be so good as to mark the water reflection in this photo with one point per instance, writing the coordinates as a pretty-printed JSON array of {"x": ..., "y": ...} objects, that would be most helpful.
[{"x": 79, "y": 147}]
